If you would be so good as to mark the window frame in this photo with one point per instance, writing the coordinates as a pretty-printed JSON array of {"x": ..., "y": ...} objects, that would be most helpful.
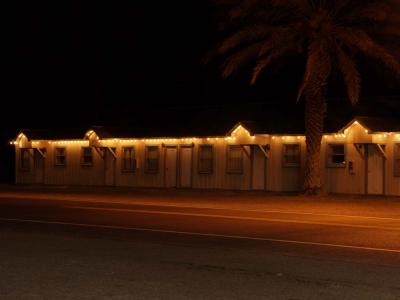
[
  {"x": 329, "y": 155},
  {"x": 132, "y": 158},
  {"x": 22, "y": 160},
  {"x": 286, "y": 164},
  {"x": 201, "y": 170},
  {"x": 56, "y": 155},
  {"x": 229, "y": 169},
  {"x": 83, "y": 163},
  {"x": 146, "y": 160}
]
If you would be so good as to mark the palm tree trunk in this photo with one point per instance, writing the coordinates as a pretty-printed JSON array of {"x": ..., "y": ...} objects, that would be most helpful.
[{"x": 315, "y": 108}]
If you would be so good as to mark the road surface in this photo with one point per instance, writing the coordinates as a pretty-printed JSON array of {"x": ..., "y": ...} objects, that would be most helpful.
[{"x": 154, "y": 246}]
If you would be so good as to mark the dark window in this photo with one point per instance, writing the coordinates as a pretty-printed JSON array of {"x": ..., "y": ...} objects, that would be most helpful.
[
  {"x": 234, "y": 162},
  {"x": 152, "y": 159},
  {"x": 206, "y": 160},
  {"x": 60, "y": 157},
  {"x": 291, "y": 155},
  {"x": 87, "y": 156},
  {"x": 25, "y": 161},
  {"x": 336, "y": 155},
  {"x": 128, "y": 159}
]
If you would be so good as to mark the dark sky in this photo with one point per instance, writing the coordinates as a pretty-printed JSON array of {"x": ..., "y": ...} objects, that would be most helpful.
[{"x": 92, "y": 59}]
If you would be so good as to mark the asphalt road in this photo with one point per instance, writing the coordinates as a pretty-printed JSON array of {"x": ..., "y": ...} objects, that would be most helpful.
[{"x": 80, "y": 247}]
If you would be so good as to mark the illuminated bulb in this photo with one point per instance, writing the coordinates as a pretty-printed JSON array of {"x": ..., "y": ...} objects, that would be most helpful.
[{"x": 366, "y": 130}]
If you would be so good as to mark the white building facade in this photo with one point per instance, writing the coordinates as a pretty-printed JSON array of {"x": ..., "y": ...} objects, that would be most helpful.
[{"x": 358, "y": 159}]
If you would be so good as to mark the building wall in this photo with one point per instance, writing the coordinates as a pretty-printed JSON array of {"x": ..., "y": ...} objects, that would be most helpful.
[
  {"x": 341, "y": 179},
  {"x": 392, "y": 181},
  {"x": 139, "y": 177},
  {"x": 279, "y": 177}
]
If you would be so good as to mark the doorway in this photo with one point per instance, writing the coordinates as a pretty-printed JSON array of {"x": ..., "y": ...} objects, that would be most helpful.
[
  {"x": 185, "y": 167},
  {"x": 375, "y": 171},
  {"x": 109, "y": 167},
  {"x": 258, "y": 179},
  {"x": 170, "y": 166},
  {"x": 39, "y": 165}
]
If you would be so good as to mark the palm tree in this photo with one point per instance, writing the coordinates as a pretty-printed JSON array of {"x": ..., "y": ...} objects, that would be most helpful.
[{"x": 329, "y": 34}]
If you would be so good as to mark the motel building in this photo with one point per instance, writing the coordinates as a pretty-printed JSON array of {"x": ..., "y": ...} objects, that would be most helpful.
[{"x": 363, "y": 157}]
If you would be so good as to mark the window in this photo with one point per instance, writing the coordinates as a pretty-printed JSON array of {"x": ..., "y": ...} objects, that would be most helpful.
[
  {"x": 128, "y": 159},
  {"x": 396, "y": 161},
  {"x": 152, "y": 159},
  {"x": 87, "y": 156},
  {"x": 25, "y": 161},
  {"x": 234, "y": 162},
  {"x": 336, "y": 155},
  {"x": 291, "y": 155},
  {"x": 60, "y": 157},
  {"x": 206, "y": 160}
]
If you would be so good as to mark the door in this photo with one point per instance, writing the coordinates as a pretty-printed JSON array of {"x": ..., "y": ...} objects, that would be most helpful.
[
  {"x": 38, "y": 161},
  {"x": 170, "y": 167},
  {"x": 258, "y": 180},
  {"x": 185, "y": 170},
  {"x": 109, "y": 167},
  {"x": 375, "y": 171}
]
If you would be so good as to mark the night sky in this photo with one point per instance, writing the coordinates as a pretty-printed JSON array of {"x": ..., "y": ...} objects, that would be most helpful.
[{"x": 76, "y": 63}]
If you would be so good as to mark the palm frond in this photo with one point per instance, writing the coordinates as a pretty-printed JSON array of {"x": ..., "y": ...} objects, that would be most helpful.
[
  {"x": 262, "y": 31},
  {"x": 370, "y": 12},
  {"x": 282, "y": 35},
  {"x": 351, "y": 76},
  {"x": 245, "y": 35},
  {"x": 239, "y": 59},
  {"x": 361, "y": 41},
  {"x": 264, "y": 62}
]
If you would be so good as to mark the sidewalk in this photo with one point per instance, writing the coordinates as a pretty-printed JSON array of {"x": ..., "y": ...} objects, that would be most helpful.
[{"x": 216, "y": 199}]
